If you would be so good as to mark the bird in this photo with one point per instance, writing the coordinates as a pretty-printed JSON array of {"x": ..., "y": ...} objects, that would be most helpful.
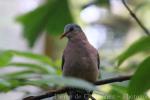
[{"x": 79, "y": 60}]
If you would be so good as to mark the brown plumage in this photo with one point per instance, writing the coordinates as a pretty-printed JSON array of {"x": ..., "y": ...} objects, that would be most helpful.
[{"x": 80, "y": 59}]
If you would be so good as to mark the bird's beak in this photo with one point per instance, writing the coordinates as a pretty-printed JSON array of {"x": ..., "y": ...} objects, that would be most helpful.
[{"x": 63, "y": 35}]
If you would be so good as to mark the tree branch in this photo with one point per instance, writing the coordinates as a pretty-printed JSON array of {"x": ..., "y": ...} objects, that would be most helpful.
[
  {"x": 135, "y": 17},
  {"x": 112, "y": 80},
  {"x": 63, "y": 90},
  {"x": 47, "y": 95}
]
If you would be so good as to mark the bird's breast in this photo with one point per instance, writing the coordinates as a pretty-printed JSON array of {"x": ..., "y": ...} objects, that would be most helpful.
[{"x": 81, "y": 63}]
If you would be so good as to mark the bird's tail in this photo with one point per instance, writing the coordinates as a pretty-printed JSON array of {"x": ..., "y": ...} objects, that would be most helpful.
[{"x": 78, "y": 94}]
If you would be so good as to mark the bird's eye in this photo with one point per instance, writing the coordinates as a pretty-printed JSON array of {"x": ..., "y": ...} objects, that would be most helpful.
[{"x": 71, "y": 29}]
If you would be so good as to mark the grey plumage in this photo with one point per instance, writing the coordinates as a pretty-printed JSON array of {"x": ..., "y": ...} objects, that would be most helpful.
[{"x": 80, "y": 59}]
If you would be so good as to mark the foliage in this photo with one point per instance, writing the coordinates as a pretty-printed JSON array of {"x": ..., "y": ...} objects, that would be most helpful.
[
  {"x": 103, "y": 2},
  {"x": 139, "y": 78},
  {"x": 136, "y": 84},
  {"x": 43, "y": 73},
  {"x": 5, "y": 57},
  {"x": 44, "y": 18},
  {"x": 141, "y": 45}
]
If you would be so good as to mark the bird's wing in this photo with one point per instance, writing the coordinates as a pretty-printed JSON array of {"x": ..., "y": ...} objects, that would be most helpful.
[
  {"x": 98, "y": 60},
  {"x": 63, "y": 61}
]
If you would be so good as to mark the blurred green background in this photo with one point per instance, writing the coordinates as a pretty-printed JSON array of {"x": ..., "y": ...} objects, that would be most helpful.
[{"x": 30, "y": 48}]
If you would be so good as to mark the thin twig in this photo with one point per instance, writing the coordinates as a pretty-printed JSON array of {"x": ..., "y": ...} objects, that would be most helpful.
[
  {"x": 47, "y": 95},
  {"x": 135, "y": 17},
  {"x": 112, "y": 80},
  {"x": 63, "y": 90}
]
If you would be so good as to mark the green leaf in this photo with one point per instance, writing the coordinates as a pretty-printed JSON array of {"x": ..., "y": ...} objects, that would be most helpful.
[
  {"x": 63, "y": 81},
  {"x": 103, "y": 2},
  {"x": 45, "y": 63},
  {"x": 16, "y": 79},
  {"x": 34, "y": 67},
  {"x": 52, "y": 16},
  {"x": 141, "y": 45},
  {"x": 40, "y": 58},
  {"x": 34, "y": 23},
  {"x": 4, "y": 85},
  {"x": 16, "y": 75},
  {"x": 7, "y": 85},
  {"x": 140, "y": 82},
  {"x": 60, "y": 15},
  {"x": 5, "y": 58}
]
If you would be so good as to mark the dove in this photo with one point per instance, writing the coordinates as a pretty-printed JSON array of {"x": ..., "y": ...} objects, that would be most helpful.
[{"x": 80, "y": 60}]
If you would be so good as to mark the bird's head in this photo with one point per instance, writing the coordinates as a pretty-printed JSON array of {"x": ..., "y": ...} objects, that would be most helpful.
[{"x": 71, "y": 30}]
